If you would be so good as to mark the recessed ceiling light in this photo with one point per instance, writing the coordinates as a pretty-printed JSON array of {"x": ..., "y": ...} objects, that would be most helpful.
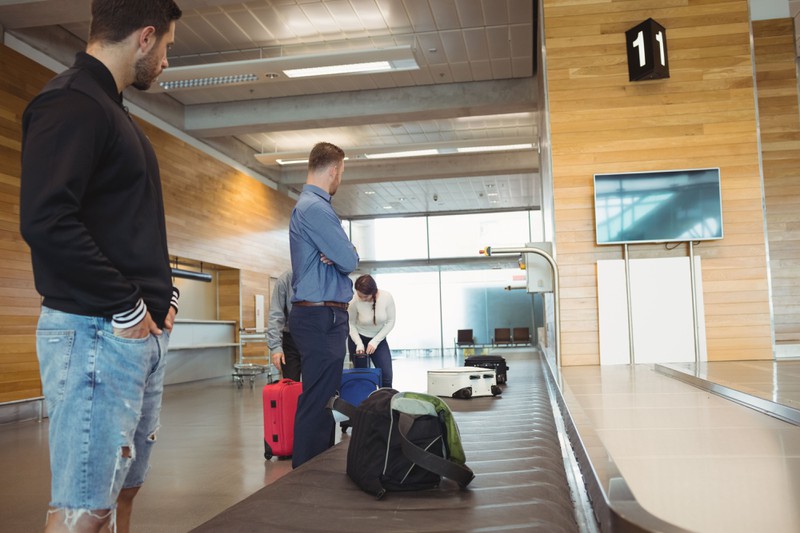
[{"x": 369, "y": 193}]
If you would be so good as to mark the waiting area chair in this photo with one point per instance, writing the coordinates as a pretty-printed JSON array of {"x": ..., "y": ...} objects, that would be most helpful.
[
  {"x": 521, "y": 335},
  {"x": 465, "y": 337},
  {"x": 502, "y": 336}
]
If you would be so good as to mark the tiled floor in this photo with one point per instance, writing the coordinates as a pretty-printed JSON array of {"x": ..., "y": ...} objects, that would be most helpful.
[{"x": 690, "y": 457}]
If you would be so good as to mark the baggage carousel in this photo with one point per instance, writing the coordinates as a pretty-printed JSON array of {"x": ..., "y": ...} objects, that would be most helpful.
[{"x": 511, "y": 442}]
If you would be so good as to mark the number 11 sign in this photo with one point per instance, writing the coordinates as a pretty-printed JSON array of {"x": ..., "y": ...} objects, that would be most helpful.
[{"x": 647, "y": 51}]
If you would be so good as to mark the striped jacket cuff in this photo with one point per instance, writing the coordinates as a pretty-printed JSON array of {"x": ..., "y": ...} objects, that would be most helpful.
[
  {"x": 130, "y": 317},
  {"x": 176, "y": 294}
]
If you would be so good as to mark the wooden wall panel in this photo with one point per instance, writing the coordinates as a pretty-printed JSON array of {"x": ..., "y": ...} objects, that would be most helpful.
[
  {"x": 19, "y": 301},
  {"x": 779, "y": 118},
  {"x": 702, "y": 116},
  {"x": 214, "y": 214}
]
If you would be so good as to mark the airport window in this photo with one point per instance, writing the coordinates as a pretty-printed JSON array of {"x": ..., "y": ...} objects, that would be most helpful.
[
  {"x": 466, "y": 235},
  {"x": 388, "y": 239}
]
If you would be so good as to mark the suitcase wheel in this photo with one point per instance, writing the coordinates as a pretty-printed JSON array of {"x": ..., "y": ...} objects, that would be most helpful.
[
  {"x": 267, "y": 451},
  {"x": 464, "y": 394},
  {"x": 496, "y": 390}
]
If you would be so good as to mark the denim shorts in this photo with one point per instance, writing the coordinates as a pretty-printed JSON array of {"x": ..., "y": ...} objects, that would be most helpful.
[{"x": 103, "y": 396}]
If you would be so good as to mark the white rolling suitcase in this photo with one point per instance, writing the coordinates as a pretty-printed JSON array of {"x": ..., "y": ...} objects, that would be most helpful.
[{"x": 463, "y": 382}]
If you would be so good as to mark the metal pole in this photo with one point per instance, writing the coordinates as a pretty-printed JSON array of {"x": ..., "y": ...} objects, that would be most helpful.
[
  {"x": 628, "y": 296},
  {"x": 489, "y": 251},
  {"x": 694, "y": 307}
]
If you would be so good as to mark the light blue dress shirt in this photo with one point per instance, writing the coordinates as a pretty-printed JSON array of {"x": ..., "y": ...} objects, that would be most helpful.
[{"x": 313, "y": 229}]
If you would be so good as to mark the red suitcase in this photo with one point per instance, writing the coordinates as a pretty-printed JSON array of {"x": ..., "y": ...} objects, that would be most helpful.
[{"x": 280, "y": 406}]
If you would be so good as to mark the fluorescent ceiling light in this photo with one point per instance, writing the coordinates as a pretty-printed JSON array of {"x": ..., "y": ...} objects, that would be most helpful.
[
  {"x": 353, "y": 68},
  {"x": 453, "y": 148},
  {"x": 263, "y": 70},
  {"x": 494, "y": 148},
  {"x": 408, "y": 153},
  {"x": 295, "y": 161}
]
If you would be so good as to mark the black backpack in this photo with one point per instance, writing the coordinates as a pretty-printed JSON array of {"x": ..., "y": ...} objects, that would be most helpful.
[{"x": 402, "y": 441}]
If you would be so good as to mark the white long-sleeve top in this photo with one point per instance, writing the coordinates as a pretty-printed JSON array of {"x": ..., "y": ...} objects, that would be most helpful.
[{"x": 361, "y": 316}]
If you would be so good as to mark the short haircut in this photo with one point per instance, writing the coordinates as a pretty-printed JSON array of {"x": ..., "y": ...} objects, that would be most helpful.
[
  {"x": 323, "y": 155},
  {"x": 114, "y": 20}
]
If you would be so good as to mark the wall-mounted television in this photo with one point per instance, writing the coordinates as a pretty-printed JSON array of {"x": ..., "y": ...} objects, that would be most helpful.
[{"x": 660, "y": 206}]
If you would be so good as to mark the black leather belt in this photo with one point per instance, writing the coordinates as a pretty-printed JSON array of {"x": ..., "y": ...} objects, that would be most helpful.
[{"x": 303, "y": 303}]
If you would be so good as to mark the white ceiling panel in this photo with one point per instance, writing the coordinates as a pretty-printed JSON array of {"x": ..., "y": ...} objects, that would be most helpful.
[
  {"x": 454, "y": 46},
  {"x": 501, "y": 68},
  {"x": 519, "y": 10},
  {"x": 499, "y": 42},
  {"x": 481, "y": 70},
  {"x": 419, "y": 11},
  {"x": 470, "y": 13},
  {"x": 495, "y": 12},
  {"x": 394, "y": 13},
  {"x": 345, "y": 17},
  {"x": 370, "y": 15},
  {"x": 477, "y": 45},
  {"x": 445, "y": 14}
]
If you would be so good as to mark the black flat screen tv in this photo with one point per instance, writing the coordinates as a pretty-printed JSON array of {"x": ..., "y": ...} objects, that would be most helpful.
[{"x": 660, "y": 206}]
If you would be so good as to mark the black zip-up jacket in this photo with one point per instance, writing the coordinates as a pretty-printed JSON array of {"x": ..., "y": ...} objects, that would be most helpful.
[{"x": 91, "y": 207}]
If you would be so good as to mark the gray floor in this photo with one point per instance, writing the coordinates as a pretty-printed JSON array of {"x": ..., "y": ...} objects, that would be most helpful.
[
  {"x": 209, "y": 456},
  {"x": 690, "y": 457}
]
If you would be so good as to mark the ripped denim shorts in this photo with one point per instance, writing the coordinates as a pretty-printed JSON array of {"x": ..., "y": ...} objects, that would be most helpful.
[{"x": 103, "y": 396}]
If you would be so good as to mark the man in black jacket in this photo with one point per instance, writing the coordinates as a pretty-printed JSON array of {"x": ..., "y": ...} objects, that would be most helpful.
[{"x": 91, "y": 210}]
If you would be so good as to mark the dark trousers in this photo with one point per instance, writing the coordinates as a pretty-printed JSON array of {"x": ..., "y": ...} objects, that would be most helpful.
[
  {"x": 319, "y": 333},
  {"x": 381, "y": 358},
  {"x": 291, "y": 368}
]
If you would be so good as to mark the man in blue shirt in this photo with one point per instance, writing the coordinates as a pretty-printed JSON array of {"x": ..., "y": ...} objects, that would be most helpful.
[{"x": 322, "y": 258}]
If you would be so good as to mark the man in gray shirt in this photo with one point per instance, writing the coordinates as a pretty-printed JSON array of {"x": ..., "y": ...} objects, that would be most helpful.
[{"x": 281, "y": 346}]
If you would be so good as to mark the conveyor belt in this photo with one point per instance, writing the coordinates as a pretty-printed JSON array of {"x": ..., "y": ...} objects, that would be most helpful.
[{"x": 511, "y": 443}]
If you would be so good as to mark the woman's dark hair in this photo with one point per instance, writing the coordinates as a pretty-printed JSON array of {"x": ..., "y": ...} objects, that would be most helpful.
[
  {"x": 323, "y": 155},
  {"x": 114, "y": 20},
  {"x": 366, "y": 285}
]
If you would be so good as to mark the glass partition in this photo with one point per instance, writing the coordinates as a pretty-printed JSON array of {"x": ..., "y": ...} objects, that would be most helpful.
[
  {"x": 466, "y": 235},
  {"x": 431, "y": 307},
  {"x": 388, "y": 239}
]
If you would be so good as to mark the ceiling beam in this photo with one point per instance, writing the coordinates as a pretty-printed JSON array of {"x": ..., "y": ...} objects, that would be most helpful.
[
  {"x": 420, "y": 168},
  {"x": 381, "y": 106},
  {"x": 16, "y": 14}
]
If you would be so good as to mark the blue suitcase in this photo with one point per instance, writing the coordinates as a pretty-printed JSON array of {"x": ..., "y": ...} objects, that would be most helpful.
[{"x": 357, "y": 384}]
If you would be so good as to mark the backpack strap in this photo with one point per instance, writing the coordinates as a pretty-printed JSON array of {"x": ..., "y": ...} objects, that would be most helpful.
[
  {"x": 461, "y": 474},
  {"x": 342, "y": 406}
]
